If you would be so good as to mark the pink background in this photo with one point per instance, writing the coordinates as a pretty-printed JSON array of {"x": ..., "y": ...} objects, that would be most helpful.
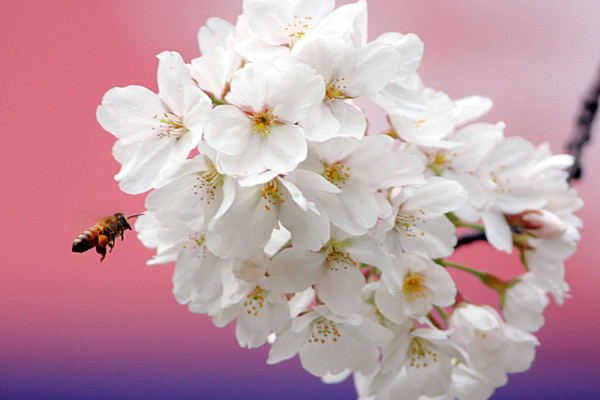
[{"x": 72, "y": 327}]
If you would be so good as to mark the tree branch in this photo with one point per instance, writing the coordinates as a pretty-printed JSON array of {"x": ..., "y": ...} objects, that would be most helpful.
[
  {"x": 470, "y": 238},
  {"x": 583, "y": 130}
]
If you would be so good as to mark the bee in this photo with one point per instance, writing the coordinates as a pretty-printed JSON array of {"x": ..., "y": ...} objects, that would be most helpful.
[{"x": 103, "y": 234}]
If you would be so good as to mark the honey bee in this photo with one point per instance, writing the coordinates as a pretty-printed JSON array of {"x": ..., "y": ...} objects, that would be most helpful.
[{"x": 103, "y": 234}]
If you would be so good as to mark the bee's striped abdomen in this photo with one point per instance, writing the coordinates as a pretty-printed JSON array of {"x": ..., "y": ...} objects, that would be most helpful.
[{"x": 86, "y": 240}]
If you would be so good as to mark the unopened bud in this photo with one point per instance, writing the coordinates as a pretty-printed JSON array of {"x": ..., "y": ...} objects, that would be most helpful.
[{"x": 538, "y": 223}]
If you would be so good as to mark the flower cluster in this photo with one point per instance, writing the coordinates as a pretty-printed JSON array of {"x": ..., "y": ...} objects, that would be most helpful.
[{"x": 284, "y": 213}]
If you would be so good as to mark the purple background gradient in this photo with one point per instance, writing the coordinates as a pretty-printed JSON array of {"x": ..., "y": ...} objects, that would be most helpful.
[{"x": 74, "y": 328}]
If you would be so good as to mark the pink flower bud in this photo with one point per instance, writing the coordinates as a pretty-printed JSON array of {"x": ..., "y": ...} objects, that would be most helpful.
[{"x": 539, "y": 223}]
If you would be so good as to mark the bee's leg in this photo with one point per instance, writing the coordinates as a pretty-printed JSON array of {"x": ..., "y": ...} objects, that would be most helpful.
[
  {"x": 101, "y": 246},
  {"x": 103, "y": 240},
  {"x": 111, "y": 244}
]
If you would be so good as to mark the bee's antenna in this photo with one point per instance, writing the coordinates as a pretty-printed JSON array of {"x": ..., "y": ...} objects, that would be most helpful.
[{"x": 134, "y": 215}]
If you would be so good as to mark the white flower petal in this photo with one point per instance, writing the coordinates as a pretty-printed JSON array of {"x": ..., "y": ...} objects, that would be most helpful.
[{"x": 173, "y": 79}]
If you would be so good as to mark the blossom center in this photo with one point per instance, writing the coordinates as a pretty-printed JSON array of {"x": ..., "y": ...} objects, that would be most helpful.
[
  {"x": 206, "y": 185},
  {"x": 197, "y": 243},
  {"x": 337, "y": 258},
  {"x": 169, "y": 125},
  {"x": 406, "y": 221},
  {"x": 336, "y": 173},
  {"x": 272, "y": 194},
  {"x": 254, "y": 301},
  {"x": 336, "y": 89},
  {"x": 323, "y": 331},
  {"x": 414, "y": 286},
  {"x": 440, "y": 161},
  {"x": 298, "y": 28},
  {"x": 263, "y": 121},
  {"x": 498, "y": 181},
  {"x": 420, "y": 354}
]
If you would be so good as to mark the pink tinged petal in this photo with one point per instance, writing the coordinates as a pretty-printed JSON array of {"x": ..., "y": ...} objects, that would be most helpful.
[
  {"x": 173, "y": 78},
  {"x": 142, "y": 163},
  {"x": 309, "y": 181},
  {"x": 416, "y": 307},
  {"x": 253, "y": 86},
  {"x": 442, "y": 286},
  {"x": 246, "y": 224},
  {"x": 437, "y": 197},
  {"x": 328, "y": 356},
  {"x": 297, "y": 196},
  {"x": 299, "y": 94},
  {"x": 195, "y": 278},
  {"x": 514, "y": 151},
  {"x": 228, "y": 189},
  {"x": 370, "y": 68},
  {"x": 316, "y": 9},
  {"x": 370, "y": 332},
  {"x": 357, "y": 212},
  {"x": 373, "y": 162},
  {"x": 497, "y": 230},
  {"x": 368, "y": 250},
  {"x": 214, "y": 35},
  {"x": 323, "y": 55},
  {"x": 409, "y": 170},
  {"x": 197, "y": 106},
  {"x": 352, "y": 121},
  {"x": 243, "y": 164},
  {"x": 294, "y": 270},
  {"x": 348, "y": 22},
  {"x": 519, "y": 198},
  {"x": 290, "y": 342},
  {"x": 228, "y": 129},
  {"x": 434, "y": 238},
  {"x": 521, "y": 351},
  {"x": 434, "y": 380},
  {"x": 255, "y": 50},
  {"x": 470, "y": 108},
  {"x": 340, "y": 288},
  {"x": 410, "y": 48},
  {"x": 267, "y": 19},
  {"x": 129, "y": 113},
  {"x": 323, "y": 126},
  {"x": 283, "y": 148},
  {"x": 309, "y": 230},
  {"x": 390, "y": 305},
  {"x": 401, "y": 101},
  {"x": 333, "y": 150},
  {"x": 209, "y": 73},
  {"x": 252, "y": 329}
]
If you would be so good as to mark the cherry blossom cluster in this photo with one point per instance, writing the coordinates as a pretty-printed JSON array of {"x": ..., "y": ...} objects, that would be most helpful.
[{"x": 285, "y": 213}]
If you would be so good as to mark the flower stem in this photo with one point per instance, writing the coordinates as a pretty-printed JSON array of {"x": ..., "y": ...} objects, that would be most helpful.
[
  {"x": 457, "y": 222},
  {"x": 479, "y": 274},
  {"x": 486, "y": 278}
]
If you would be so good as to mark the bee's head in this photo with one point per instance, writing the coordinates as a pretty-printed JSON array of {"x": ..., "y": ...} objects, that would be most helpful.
[{"x": 123, "y": 221}]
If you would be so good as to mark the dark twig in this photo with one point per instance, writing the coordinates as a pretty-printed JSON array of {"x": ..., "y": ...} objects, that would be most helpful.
[
  {"x": 470, "y": 238},
  {"x": 583, "y": 130}
]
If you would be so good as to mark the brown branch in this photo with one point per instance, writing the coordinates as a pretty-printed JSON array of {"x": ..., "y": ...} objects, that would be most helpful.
[
  {"x": 583, "y": 130},
  {"x": 467, "y": 238}
]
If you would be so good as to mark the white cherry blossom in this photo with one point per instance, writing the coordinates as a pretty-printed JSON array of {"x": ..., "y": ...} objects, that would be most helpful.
[
  {"x": 425, "y": 284},
  {"x": 331, "y": 344},
  {"x": 418, "y": 224},
  {"x": 288, "y": 211},
  {"x": 261, "y": 129},
  {"x": 156, "y": 132}
]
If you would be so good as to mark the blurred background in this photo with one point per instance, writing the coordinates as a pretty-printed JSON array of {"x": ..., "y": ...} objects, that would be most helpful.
[{"x": 74, "y": 328}]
